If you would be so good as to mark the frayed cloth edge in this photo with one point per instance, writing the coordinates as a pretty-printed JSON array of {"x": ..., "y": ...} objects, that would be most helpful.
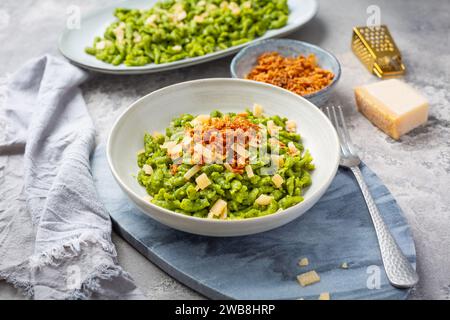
[
  {"x": 24, "y": 287},
  {"x": 69, "y": 250}
]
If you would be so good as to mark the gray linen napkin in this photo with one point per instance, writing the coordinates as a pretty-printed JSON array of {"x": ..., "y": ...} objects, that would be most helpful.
[{"x": 60, "y": 246}]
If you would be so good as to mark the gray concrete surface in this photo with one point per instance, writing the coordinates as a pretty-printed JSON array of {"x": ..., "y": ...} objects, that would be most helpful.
[{"x": 415, "y": 169}]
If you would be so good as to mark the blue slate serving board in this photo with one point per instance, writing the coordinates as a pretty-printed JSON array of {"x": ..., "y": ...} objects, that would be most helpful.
[{"x": 264, "y": 266}]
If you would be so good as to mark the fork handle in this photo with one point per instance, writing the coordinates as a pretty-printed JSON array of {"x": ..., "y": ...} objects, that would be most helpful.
[{"x": 398, "y": 269}]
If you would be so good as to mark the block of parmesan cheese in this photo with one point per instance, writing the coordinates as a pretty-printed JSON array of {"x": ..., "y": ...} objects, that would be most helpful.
[{"x": 393, "y": 106}]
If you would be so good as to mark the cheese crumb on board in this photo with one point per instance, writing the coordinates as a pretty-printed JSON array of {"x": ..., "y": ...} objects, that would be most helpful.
[
  {"x": 393, "y": 106},
  {"x": 324, "y": 296},
  {"x": 308, "y": 278},
  {"x": 303, "y": 262}
]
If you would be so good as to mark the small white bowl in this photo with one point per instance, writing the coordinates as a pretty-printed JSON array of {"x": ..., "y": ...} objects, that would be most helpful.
[
  {"x": 247, "y": 59},
  {"x": 154, "y": 111}
]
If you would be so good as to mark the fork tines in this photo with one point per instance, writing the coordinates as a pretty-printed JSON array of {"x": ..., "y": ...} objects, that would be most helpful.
[{"x": 338, "y": 120}]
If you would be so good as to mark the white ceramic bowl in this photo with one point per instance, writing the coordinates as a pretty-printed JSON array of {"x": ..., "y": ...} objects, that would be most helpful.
[{"x": 154, "y": 112}]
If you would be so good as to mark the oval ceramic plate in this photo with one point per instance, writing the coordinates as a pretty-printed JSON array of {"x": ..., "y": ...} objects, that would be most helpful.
[
  {"x": 73, "y": 41},
  {"x": 155, "y": 111}
]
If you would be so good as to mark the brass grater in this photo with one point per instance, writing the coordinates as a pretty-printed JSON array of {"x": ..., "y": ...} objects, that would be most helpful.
[{"x": 376, "y": 49}]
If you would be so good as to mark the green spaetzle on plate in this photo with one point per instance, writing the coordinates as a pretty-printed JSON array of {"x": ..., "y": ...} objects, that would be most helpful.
[{"x": 176, "y": 29}]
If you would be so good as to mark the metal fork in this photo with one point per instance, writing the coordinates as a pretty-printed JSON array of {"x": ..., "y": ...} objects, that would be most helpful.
[{"x": 398, "y": 269}]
